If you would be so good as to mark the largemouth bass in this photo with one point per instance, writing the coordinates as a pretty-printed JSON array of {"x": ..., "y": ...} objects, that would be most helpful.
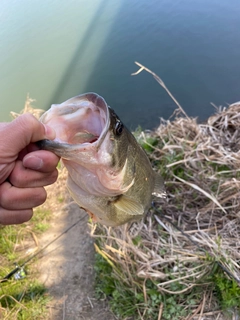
[{"x": 109, "y": 174}]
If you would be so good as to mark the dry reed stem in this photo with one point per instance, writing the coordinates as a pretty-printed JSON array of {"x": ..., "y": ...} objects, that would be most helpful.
[{"x": 159, "y": 80}]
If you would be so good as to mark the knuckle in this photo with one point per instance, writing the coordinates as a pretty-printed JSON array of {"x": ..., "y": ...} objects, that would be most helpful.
[{"x": 18, "y": 178}]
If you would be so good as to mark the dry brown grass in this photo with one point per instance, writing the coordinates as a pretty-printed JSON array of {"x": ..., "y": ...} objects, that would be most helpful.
[
  {"x": 28, "y": 108},
  {"x": 185, "y": 240}
]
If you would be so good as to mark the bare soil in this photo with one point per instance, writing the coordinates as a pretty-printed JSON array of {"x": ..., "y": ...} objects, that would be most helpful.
[{"x": 67, "y": 266}]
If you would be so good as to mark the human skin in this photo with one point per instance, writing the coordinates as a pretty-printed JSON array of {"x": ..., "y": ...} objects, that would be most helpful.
[{"x": 24, "y": 169}]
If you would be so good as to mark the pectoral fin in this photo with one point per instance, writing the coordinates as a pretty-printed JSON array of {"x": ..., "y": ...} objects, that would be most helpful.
[
  {"x": 159, "y": 188},
  {"x": 128, "y": 205}
]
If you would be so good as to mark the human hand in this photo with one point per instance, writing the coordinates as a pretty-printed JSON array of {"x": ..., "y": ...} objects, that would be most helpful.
[{"x": 24, "y": 169}]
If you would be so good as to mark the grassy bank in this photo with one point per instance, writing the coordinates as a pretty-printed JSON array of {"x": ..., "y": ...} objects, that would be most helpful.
[
  {"x": 22, "y": 296},
  {"x": 183, "y": 260}
]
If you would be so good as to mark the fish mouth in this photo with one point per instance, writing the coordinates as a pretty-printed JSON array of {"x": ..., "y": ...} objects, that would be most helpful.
[{"x": 80, "y": 121}]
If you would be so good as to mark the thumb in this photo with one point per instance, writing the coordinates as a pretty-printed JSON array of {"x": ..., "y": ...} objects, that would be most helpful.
[{"x": 25, "y": 129}]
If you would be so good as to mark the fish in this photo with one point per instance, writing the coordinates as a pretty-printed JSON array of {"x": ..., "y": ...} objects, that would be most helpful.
[{"x": 109, "y": 174}]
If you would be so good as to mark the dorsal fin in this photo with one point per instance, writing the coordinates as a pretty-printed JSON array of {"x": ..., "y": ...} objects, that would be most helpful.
[{"x": 159, "y": 188}]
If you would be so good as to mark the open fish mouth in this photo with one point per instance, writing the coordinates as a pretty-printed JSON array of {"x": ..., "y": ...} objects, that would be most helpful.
[{"x": 80, "y": 121}]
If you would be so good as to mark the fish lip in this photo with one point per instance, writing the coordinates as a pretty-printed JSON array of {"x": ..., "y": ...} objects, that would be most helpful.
[
  {"x": 103, "y": 134},
  {"x": 100, "y": 102}
]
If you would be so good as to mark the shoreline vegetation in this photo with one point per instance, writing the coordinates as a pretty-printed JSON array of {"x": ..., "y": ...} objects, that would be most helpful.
[{"x": 182, "y": 261}]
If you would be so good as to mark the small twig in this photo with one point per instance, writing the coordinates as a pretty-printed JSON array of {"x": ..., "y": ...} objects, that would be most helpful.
[
  {"x": 176, "y": 292},
  {"x": 195, "y": 312},
  {"x": 202, "y": 191},
  {"x": 90, "y": 302},
  {"x": 159, "y": 80},
  {"x": 202, "y": 308},
  {"x": 15, "y": 300},
  {"x": 160, "y": 311}
]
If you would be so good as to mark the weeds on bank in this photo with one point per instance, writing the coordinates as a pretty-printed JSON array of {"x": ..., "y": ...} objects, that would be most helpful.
[
  {"x": 182, "y": 261},
  {"x": 22, "y": 298},
  {"x": 146, "y": 301},
  {"x": 226, "y": 290}
]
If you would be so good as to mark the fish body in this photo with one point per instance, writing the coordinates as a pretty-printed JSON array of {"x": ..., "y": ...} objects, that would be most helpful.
[{"x": 109, "y": 174}]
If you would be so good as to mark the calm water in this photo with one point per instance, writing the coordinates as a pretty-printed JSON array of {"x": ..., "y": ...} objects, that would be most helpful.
[{"x": 56, "y": 49}]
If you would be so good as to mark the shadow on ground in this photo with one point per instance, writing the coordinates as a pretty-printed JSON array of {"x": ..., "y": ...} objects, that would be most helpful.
[{"x": 67, "y": 268}]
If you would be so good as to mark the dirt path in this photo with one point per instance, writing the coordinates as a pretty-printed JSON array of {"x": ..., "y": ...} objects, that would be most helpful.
[{"x": 66, "y": 267}]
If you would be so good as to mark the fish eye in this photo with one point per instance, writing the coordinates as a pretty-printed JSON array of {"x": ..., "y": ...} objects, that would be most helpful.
[{"x": 118, "y": 128}]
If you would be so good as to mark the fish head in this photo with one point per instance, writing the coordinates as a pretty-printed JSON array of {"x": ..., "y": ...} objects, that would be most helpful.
[{"x": 91, "y": 135}]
